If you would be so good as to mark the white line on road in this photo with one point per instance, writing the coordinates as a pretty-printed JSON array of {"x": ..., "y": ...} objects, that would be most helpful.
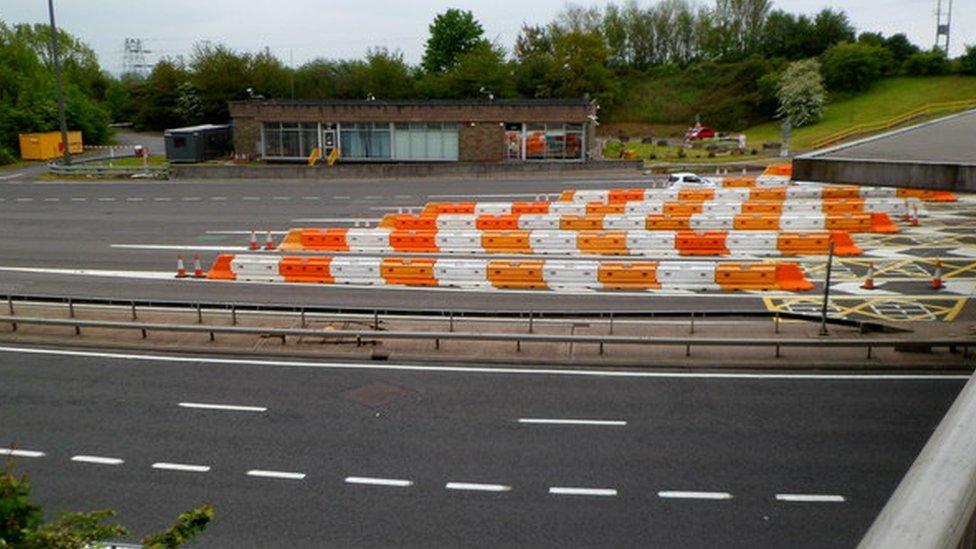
[
  {"x": 340, "y": 198},
  {"x": 476, "y": 486},
  {"x": 181, "y": 467},
  {"x": 379, "y": 481},
  {"x": 98, "y": 460},
  {"x": 180, "y": 247},
  {"x": 403, "y": 196},
  {"x": 191, "y": 199},
  {"x": 570, "y": 491},
  {"x": 134, "y": 199},
  {"x": 677, "y": 494},
  {"x": 275, "y": 474},
  {"x": 78, "y": 199},
  {"x": 52, "y": 200},
  {"x": 811, "y": 498},
  {"x": 483, "y": 370},
  {"x": 228, "y": 407},
  {"x": 280, "y": 198},
  {"x": 162, "y": 199},
  {"x": 310, "y": 198},
  {"x": 541, "y": 421},
  {"x": 21, "y": 453},
  {"x": 372, "y": 197},
  {"x": 244, "y": 232},
  {"x": 11, "y": 176},
  {"x": 106, "y": 199},
  {"x": 23, "y": 200},
  {"x": 349, "y": 220},
  {"x": 218, "y": 198}
]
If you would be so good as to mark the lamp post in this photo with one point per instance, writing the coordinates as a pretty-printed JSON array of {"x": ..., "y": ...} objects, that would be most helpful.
[{"x": 56, "y": 63}]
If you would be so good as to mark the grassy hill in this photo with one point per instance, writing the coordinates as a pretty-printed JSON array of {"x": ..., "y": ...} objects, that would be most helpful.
[{"x": 887, "y": 99}]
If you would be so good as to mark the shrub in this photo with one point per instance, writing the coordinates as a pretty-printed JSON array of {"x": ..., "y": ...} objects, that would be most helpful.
[
  {"x": 801, "y": 93},
  {"x": 967, "y": 62},
  {"x": 927, "y": 63},
  {"x": 6, "y": 157},
  {"x": 854, "y": 67}
]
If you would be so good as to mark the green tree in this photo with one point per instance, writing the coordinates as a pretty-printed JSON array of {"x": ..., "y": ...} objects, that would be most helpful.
[
  {"x": 188, "y": 526},
  {"x": 854, "y": 67},
  {"x": 579, "y": 67},
  {"x": 156, "y": 99},
  {"x": 220, "y": 74},
  {"x": 452, "y": 34},
  {"x": 927, "y": 63},
  {"x": 481, "y": 73},
  {"x": 801, "y": 93},
  {"x": 829, "y": 27},
  {"x": 901, "y": 47},
  {"x": 967, "y": 61},
  {"x": 188, "y": 107}
]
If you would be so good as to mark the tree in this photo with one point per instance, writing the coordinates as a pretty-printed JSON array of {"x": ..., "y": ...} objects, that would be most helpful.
[
  {"x": 967, "y": 61},
  {"x": 452, "y": 33},
  {"x": 901, "y": 47},
  {"x": 580, "y": 67},
  {"x": 829, "y": 27},
  {"x": 801, "y": 93},
  {"x": 156, "y": 98},
  {"x": 927, "y": 63},
  {"x": 481, "y": 73},
  {"x": 22, "y": 523},
  {"x": 188, "y": 107},
  {"x": 854, "y": 67}
]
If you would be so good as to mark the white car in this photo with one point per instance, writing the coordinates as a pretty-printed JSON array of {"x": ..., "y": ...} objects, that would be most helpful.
[{"x": 687, "y": 180}]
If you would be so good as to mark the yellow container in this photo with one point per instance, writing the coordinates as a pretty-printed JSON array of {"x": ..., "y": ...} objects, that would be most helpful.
[{"x": 45, "y": 146}]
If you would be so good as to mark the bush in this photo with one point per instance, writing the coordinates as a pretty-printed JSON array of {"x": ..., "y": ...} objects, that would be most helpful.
[
  {"x": 927, "y": 63},
  {"x": 854, "y": 67},
  {"x": 613, "y": 149},
  {"x": 801, "y": 93},
  {"x": 967, "y": 62},
  {"x": 6, "y": 157}
]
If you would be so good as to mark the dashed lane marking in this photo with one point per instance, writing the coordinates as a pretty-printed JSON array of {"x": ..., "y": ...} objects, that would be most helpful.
[
  {"x": 396, "y": 482},
  {"x": 275, "y": 474},
  {"x": 11, "y": 176},
  {"x": 191, "y": 199},
  {"x": 679, "y": 494},
  {"x": 180, "y": 247},
  {"x": 225, "y": 407},
  {"x": 185, "y": 467},
  {"x": 78, "y": 199},
  {"x": 106, "y": 199},
  {"x": 811, "y": 498},
  {"x": 280, "y": 198},
  {"x": 23, "y": 200},
  {"x": 477, "y": 487},
  {"x": 218, "y": 198},
  {"x": 162, "y": 199},
  {"x": 98, "y": 460},
  {"x": 14, "y": 452},
  {"x": 310, "y": 198},
  {"x": 572, "y": 491},
  {"x": 542, "y": 421},
  {"x": 52, "y": 200},
  {"x": 340, "y": 198}
]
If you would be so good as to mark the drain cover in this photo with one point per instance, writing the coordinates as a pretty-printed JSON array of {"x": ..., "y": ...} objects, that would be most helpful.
[{"x": 376, "y": 394}]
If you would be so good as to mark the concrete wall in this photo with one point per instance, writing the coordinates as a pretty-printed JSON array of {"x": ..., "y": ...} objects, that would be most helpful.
[
  {"x": 377, "y": 170},
  {"x": 934, "y": 175}
]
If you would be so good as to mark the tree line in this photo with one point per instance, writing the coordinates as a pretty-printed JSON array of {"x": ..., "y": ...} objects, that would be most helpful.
[{"x": 732, "y": 54}]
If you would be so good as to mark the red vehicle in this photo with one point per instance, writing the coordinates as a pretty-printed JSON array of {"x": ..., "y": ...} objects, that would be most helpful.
[{"x": 699, "y": 132}]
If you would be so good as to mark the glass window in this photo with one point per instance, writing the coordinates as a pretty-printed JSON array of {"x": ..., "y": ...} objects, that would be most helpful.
[
  {"x": 548, "y": 142},
  {"x": 365, "y": 140},
  {"x": 426, "y": 141}
]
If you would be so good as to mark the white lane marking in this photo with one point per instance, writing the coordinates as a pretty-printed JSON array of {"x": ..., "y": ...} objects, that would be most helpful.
[
  {"x": 180, "y": 467},
  {"x": 11, "y": 176},
  {"x": 498, "y": 195},
  {"x": 162, "y": 199},
  {"x": 678, "y": 494},
  {"x": 151, "y": 275},
  {"x": 97, "y": 460},
  {"x": 541, "y": 421},
  {"x": 228, "y": 407},
  {"x": 248, "y": 232},
  {"x": 106, "y": 199},
  {"x": 218, "y": 198},
  {"x": 477, "y": 486},
  {"x": 134, "y": 199},
  {"x": 372, "y": 197},
  {"x": 180, "y": 247},
  {"x": 335, "y": 219},
  {"x": 403, "y": 196},
  {"x": 275, "y": 474},
  {"x": 310, "y": 198},
  {"x": 280, "y": 198},
  {"x": 23, "y": 200},
  {"x": 191, "y": 199},
  {"x": 571, "y": 491},
  {"x": 811, "y": 498},
  {"x": 481, "y": 369},
  {"x": 250, "y": 198},
  {"x": 340, "y": 198},
  {"x": 52, "y": 200},
  {"x": 402, "y": 483},
  {"x": 78, "y": 199},
  {"x": 21, "y": 453}
]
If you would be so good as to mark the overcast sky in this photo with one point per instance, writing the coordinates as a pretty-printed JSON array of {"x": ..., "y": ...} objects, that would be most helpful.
[{"x": 300, "y": 30}]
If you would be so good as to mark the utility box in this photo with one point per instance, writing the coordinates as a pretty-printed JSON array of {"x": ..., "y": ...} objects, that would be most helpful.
[
  {"x": 48, "y": 145},
  {"x": 198, "y": 143}
]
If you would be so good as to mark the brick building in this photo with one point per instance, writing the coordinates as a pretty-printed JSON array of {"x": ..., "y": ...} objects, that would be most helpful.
[{"x": 416, "y": 131}]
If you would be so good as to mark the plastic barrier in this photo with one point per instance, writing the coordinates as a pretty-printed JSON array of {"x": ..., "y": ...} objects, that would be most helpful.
[
  {"x": 507, "y": 242},
  {"x": 774, "y": 188},
  {"x": 533, "y": 274},
  {"x": 707, "y": 243}
]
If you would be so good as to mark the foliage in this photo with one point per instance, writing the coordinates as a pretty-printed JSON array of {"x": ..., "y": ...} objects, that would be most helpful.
[
  {"x": 967, "y": 62},
  {"x": 928, "y": 63},
  {"x": 452, "y": 34},
  {"x": 481, "y": 73},
  {"x": 854, "y": 67},
  {"x": 187, "y": 526},
  {"x": 801, "y": 93},
  {"x": 900, "y": 47}
]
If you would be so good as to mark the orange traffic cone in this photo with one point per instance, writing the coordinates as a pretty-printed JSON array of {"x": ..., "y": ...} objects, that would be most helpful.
[
  {"x": 269, "y": 242},
  {"x": 180, "y": 269},
  {"x": 254, "y": 242},
  {"x": 197, "y": 268},
  {"x": 869, "y": 278},
  {"x": 937, "y": 277}
]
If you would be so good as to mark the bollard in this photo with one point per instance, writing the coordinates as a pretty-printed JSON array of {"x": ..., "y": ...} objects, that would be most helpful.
[
  {"x": 777, "y": 351},
  {"x": 601, "y": 348},
  {"x": 437, "y": 343},
  {"x": 869, "y": 351},
  {"x": 376, "y": 320},
  {"x": 145, "y": 334},
  {"x": 688, "y": 350},
  {"x": 10, "y": 308}
]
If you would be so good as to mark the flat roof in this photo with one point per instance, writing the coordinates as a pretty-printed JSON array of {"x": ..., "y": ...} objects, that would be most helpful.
[
  {"x": 570, "y": 102},
  {"x": 939, "y": 154},
  {"x": 198, "y": 128}
]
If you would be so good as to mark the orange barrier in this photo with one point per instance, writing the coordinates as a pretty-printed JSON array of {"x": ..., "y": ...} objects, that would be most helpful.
[
  {"x": 835, "y": 206},
  {"x": 658, "y": 222},
  {"x": 506, "y": 242},
  {"x": 926, "y": 195},
  {"x": 413, "y": 241},
  {"x": 516, "y": 274},
  {"x": 707, "y": 243},
  {"x": 840, "y": 191},
  {"x": 615, "y": 275},
  {"x": 506, "y": 222},
  {"x": 410, "y": 222},
  {"x": 790, "y": 277},
  {"x": 744, "y": 181},
  {"x": 332, "y": 239},
  {"x": 602, "y": 242},
  {"x": 745, "y": 276},
  {"x": 762, "y": 207},
  {"x": 695, "y": 195},
  {"x": 882, "y": 223},
  {"x": 539, "y": 207},
  {"x": 682, "y": 208},
  {"x": 306, "y": 269},
  {"x": 408, "y": 272},
  {"x": 623, "y": 195},
  {"x": 599, "y": 208},
  {"x": 768, "y": 193},
  {"x": 756, "y": 222},
  {"x": 434, "y": 208},
  {"x": 779, "y": 169},
  {"x": 220, "y": 270},
  {"x": 581, "y": 223}
]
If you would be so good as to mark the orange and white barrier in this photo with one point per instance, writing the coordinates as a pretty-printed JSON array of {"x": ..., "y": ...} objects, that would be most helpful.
[
  {"x": 780, "y": 191},
  {"x": 685, "y": 219},
  {"x": 506, "y": 274},
  {"x": 638, "y": 242}
]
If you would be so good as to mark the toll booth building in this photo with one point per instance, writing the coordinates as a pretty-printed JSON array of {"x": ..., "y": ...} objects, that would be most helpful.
[{"x": 543, "y": 130}]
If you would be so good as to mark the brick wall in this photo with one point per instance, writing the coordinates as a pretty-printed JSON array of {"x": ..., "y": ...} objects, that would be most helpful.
[
  {"x": 481, "y": 142},
  {"x": 247, "y": 136}
]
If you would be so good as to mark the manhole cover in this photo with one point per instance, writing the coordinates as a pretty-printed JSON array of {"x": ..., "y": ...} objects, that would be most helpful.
[{"x": 376, "y": 394}]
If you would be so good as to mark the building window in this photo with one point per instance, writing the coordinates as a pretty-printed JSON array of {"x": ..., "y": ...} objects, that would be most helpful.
[
  {"x": 425, "y": 141},
  {"x": 553, "y": 141},
  {"x": 365, "y": 140},
  {"x": 513, "y": 141},
  {"x": 289, "y": 139}
]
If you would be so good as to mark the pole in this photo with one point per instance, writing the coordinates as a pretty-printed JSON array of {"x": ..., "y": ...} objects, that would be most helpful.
[
  {"x": 56, "y": 63},
  {"x": 826, "y": 298}
]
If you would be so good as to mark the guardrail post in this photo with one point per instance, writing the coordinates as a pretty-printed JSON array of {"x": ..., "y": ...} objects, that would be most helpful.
[
  {"x": 199, "y": 314},
  {"x": 611, "y": 325},
  {"x": 145, "y": 334},
  {"x": 601, "y": 348},
  {"x": 777, "y": 351},
  {"x": 518, "y": 345},
  {"x": 531, "y": 327},
  {"x": 376, "y": 319},
  {"x": 688, "y": 349},
  {"x": 233, "y": 315},
  {"x": 134, "y": 317},
  {"x": 692, "y": 331},
  {"x": 10, "y": 308},
  {"x": 437, "y": 343},
  {"x": 450, "y": 326},
  {"x": 71, "y": 308},
  {"x": 303, "y": 317},
  {"x": 776, "y": 323},
  {"x": 869, "y": 351}
]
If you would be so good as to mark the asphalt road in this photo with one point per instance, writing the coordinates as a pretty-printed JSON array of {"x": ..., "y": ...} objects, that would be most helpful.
[{"x": 746, "y": 439}]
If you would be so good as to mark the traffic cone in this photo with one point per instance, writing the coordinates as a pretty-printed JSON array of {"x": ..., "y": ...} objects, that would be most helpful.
[
  {"x": 180, "y": 269},
  {"x": 869, "y": 278},
  {"x": 197, "y": 268},
  {"x": 269, "y": 242},
  {"x": 937, "y": 277},
  {"x": 254, "y": 242}
]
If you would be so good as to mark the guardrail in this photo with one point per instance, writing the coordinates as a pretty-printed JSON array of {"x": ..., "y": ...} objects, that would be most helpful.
[
  {"x": 934, "y": 506},
  {"x": 861, "y": 129},
  {"x": 518, "y": 339},
  {"x": 84, "y": 166}
]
